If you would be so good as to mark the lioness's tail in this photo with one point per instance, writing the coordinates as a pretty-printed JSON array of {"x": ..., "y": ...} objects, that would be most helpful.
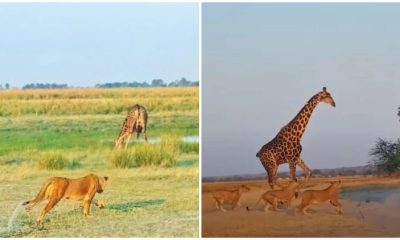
[
  {"x": 39, "y": 197},
  {"x": 255, "y": 205}
]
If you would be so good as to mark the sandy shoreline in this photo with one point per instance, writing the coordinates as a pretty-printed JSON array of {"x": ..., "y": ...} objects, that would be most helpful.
[{"x": 360, "y": 218}]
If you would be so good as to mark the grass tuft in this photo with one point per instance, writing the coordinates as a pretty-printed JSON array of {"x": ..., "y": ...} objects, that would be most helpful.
[
  {"x": 164, "y": 154},
  {"x": 123, "y": 159},
  {"x": 55, "y": 160},
  {"x": 189, "y": 148}
]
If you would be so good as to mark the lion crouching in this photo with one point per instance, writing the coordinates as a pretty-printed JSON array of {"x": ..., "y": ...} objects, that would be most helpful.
[{"x": 57, "y": 188}]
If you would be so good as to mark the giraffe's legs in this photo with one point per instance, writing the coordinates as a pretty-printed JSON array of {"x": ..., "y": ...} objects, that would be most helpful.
[
  {"x": 292, "y": 168},
  {"x": 120, "y": 140},
  {"x": 270, "y": 165},
  {"x": 303, "y": 166},
  {"x": 127, "y": 141},
  {"x": 271, "y": 170}
]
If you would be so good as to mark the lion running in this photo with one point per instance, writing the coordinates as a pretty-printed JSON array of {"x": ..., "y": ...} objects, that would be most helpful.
[
  {"x": 232, "y": 197},
  {"x": 57, "y": 188},
  {"x": 273, "y": 197},
  {"x": 330, "y": 194}
]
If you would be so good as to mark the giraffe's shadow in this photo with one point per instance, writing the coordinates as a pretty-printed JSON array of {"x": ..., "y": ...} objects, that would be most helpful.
[{"x": 127, "y": 206}]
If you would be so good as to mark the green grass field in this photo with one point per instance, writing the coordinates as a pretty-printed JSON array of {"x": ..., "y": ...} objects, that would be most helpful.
[{"x": 81, "y": 125}]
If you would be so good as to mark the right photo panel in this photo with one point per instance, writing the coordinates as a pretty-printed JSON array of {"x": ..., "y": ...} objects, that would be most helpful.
[{"x": 300, "y": 120}]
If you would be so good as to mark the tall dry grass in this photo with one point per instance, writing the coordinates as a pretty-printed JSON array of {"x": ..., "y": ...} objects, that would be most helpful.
[{"x": 95, "y": 101}]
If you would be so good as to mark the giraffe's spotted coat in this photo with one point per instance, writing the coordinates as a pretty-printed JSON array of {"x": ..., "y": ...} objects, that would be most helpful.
[
  {"x": 135, "y": 121},
  {"x": 286, "y": 147}
]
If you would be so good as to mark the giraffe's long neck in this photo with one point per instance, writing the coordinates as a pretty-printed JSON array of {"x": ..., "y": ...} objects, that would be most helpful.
[{"x": 300, "y": 121}]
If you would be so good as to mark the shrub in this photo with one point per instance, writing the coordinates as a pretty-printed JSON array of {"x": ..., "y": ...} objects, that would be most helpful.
[
  {"x": 386, "y": 156},
  {"x": 164, "y": 154},
  {"x": 52, "y": 160},
  {"x": 55, "y": 160},
  {"x": 123, "y": 159}
]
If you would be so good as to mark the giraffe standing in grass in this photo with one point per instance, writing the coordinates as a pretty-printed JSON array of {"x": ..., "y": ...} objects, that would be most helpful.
[
  {"x": 135, "y": 121},
  {"x": 286, "y": 147}
]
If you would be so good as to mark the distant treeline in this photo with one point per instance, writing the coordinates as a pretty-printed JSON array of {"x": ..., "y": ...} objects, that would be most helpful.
[
  {"x": 183, "y": 82},
  {"x": 335, "y": 172},
  {"x": 44, "y": 86}
]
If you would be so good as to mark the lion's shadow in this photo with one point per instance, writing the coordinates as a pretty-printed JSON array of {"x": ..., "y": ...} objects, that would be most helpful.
[{"x": 127, "y": 206}]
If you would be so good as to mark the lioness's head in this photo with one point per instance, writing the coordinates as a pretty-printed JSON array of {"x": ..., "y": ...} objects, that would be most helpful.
[
  {"x": 102, "y": 184},
  {"x": 336, "y": 184}
]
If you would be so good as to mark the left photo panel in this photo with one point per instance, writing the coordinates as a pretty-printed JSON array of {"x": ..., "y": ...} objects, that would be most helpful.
[{"x": 99, "y": 120}]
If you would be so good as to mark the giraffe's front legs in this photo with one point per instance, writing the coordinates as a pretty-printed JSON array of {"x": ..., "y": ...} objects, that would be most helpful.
[
  {"x": 271, "y": 175},
  {"x": 269, "y": 163},
  {"x": 127, "y": 141},
  {"x": 303, "y": 166},
  {"x": 292, "y": 167}
]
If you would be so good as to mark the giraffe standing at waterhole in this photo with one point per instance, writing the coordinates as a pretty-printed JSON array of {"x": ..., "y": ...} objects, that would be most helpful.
[
  {"x": 286, "y": 147},
  {"x": 135, "y": 121}
]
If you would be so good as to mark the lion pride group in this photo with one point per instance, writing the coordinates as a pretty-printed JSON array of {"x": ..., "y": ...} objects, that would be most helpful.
[{"x": 283, "y": 197}]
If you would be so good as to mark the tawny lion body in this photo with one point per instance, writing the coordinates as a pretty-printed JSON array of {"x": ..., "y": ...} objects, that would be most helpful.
[
  {"x": 273, "y": 197},
  {"x": 232, "y": 197},
  {"x": 57, "y": 188},
  {"x": 330, "y": 194}
]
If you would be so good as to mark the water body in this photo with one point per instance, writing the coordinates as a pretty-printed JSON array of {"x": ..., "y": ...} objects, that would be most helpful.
[
  {"x": 185, "y": 139},
  {"x": 372, "y": 194}
]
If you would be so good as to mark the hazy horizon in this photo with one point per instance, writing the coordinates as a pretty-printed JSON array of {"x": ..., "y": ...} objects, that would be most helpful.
[
  {"x": 83, "y": 44},
  {"x": 260, "y": 69}
]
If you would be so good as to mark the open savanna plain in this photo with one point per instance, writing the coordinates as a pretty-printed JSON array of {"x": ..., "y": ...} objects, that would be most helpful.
[
  {"x": 361, "y": 217},
  {"x": 153, "y": 187}
]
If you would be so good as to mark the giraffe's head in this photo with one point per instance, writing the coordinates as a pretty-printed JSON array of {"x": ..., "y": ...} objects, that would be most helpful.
[{"x": 325, "y": 96}]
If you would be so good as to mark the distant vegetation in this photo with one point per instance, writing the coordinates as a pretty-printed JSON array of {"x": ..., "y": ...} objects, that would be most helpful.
[
  {"x": 328, "y": 172},
  {"x": 398, "y": 112},
  {"x": 386, "y": 155},
  {"x": 183, "y": 82},
  {"x": 44, "y": 86}
]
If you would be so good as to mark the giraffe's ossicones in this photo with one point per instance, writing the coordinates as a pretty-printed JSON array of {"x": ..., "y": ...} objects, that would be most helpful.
[{"x": 285, "y": 147}]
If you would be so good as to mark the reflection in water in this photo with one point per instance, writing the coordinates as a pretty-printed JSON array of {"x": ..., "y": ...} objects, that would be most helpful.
[{"x": 373, "y": 193}]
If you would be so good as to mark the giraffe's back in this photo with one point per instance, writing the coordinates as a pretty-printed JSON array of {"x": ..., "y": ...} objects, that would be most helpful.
[{"x": 139, "y": 117}]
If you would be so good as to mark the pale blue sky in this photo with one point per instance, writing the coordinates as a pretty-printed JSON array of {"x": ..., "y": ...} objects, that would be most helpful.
[
  {"x": 262, "y": 62},
  {"x": 82, "y": 44}
]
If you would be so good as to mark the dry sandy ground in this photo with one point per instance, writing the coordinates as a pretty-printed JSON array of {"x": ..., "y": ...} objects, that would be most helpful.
[{"x": 360, "y": 219}]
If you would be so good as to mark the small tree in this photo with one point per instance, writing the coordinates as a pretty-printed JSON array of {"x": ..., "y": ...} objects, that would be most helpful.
[
  {"x": 386, "y": 156},
  {"x": 398, "y": 112},
  {"x": 7, "y": 86}
]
